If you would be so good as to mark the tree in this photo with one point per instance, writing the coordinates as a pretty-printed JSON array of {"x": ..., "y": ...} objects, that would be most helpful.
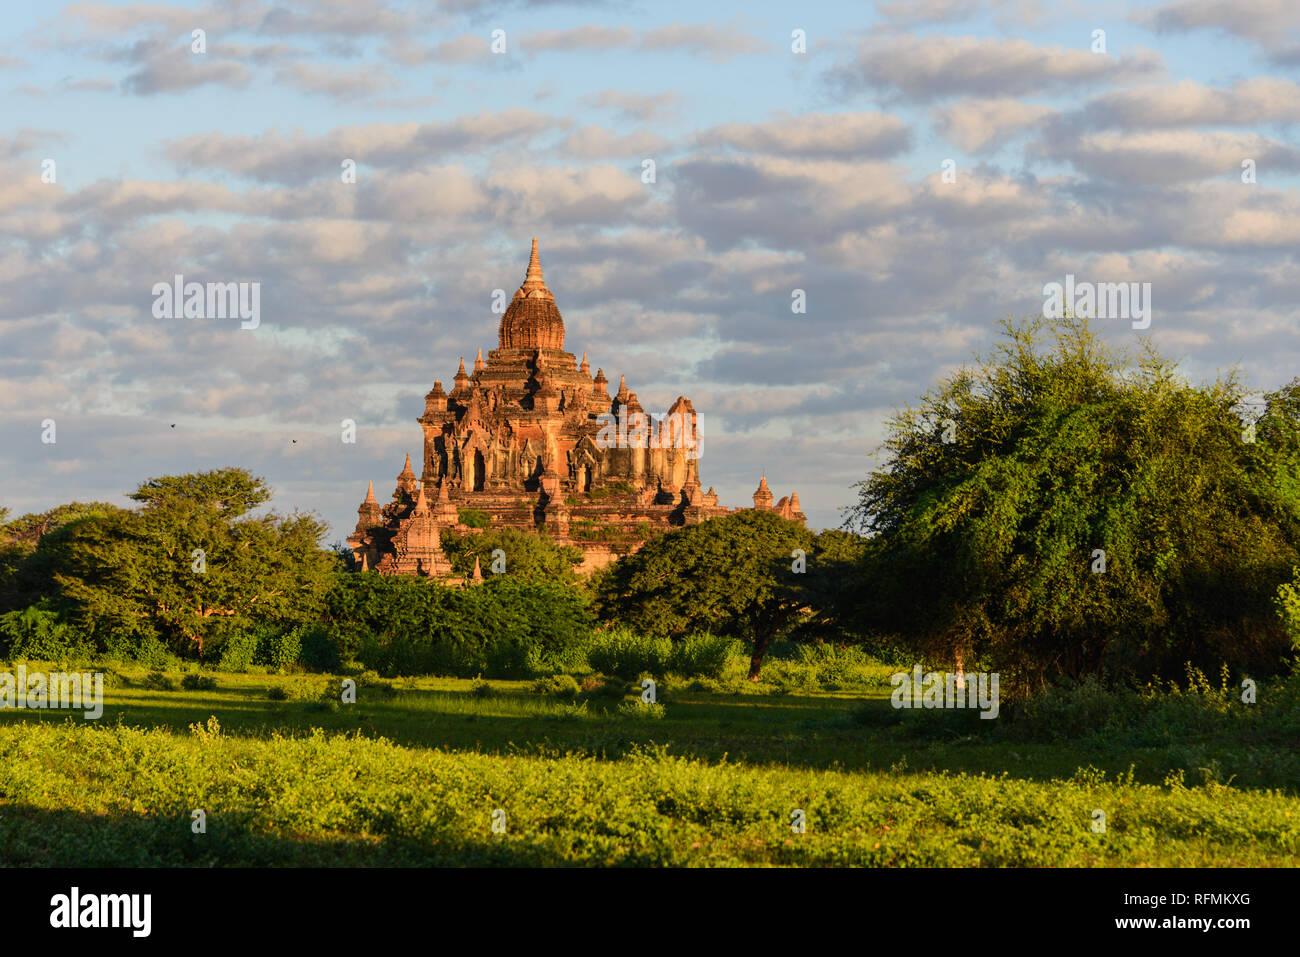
[
  {"x": 1076, "y": 509},
  {"x": 529, "y": 557},
  {"x": 25, "y": 576},
  {"x": 190, "y": 558},
  {"x": 732, "y": 575}
]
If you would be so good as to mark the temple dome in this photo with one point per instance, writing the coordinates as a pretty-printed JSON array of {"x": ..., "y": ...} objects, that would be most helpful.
[{"x": 532, "y": 320}]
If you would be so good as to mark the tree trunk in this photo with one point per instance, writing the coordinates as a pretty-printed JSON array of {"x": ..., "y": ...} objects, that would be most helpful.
[{"x": 756, "y": 659}]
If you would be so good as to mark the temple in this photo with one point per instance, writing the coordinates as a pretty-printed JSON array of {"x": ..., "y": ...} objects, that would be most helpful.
[{"x": 531, "y": 440}]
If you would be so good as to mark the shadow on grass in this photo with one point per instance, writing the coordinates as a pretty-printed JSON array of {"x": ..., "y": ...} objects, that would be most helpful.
[
  {"x": 38, "y": 837},
  {"x": 794, "y": 731}
]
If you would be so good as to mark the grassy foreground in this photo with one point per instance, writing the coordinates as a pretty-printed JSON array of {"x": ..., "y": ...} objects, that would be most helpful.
[
  {"x": 118, "y": 795},
  {"x": 412, "y": 773}
]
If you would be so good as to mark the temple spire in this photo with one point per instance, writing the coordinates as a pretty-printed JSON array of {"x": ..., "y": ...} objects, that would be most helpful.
[
  {"x": 534, "y": 265},
  {"x": 370, "y": 491},
  {"x": 479, "y": 364}
]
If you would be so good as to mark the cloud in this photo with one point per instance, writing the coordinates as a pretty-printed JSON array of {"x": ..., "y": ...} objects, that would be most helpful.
[
  {"x": 337, "y": 84},
  {"x": 1266, "y": 22},
  {"x": 298, "y": 158},
  {"x": 923, "y": 68},
  {"x": 1250, "y": 102},
  {"x": 833, "y": 135},
  {"x": 976, "y": 124},
  {"x": 639, "y": 107},
  {"x": 1169, "y": 156},
  {"x": 720, "y": 43},
  {"x": 181, "y": 70},
  {"x": 595, "y": 142}
]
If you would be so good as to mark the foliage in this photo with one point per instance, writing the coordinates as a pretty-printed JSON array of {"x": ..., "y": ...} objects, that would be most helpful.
[
  {"x": 38, "y": 632},
  {"x": 279, "y": 649},
  {"x": 564, "y": 687},
  {"x": 345, "y": 800},
  {"x": 130, "y": 577},
  {"x": 529, "y": 557},
  {"x": 474, "y": 517},
  {"x": 732, "y": 575},
  {"x": 198, "y": 682},
  {"x": 26, "y": 578},
  {"x": 504, "y": 628},
  {"x": 986, "y": 547},
  {"x": 157, "y": 681},
  {"x": 1288, "y": 601}
]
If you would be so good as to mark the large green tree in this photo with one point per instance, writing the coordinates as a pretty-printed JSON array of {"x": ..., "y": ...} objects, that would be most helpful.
[
  {"x": 25, "y": 577},
  {"x": 734, "y": 575},
  {"x": 1066, "y": 508},
  {"x": 191, "y": 557}
]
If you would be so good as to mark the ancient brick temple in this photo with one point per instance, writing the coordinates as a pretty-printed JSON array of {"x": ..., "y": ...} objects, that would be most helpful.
[{"x": 536, "y": 442}]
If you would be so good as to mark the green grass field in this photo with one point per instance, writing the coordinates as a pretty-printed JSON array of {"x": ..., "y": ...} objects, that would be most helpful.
[{"x": 412, "y": 772}]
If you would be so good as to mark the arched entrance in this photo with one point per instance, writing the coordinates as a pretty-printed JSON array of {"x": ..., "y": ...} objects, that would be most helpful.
[{"x": 480, "y": 471}]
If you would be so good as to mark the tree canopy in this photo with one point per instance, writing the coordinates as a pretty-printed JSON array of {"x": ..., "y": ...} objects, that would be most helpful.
[
  {"x": 1066, "y": 508},
  {"x": 732, "y": 575},
  {"x": 189, "y": 559}
]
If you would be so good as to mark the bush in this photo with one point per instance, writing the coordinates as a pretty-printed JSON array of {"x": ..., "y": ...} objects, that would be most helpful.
[
  {"x": 609, "y": 689},
  {"x": 474, "y": 517},
  {"x": 277, "y": 693},
  {"x": 196, "y": 682},
  {"x": 280, "y": 649},
  {"x": 702, "y": 656},
  {"x": 238, "y": 650},
  {"x": 157, "y": 681},
  {"x": 564, "y": 687},
  {"x": 481, "y": 689},
  {"x": 641, "y": 710},
  {"x": 320, "y": 652},
  {"x": 502, "y": 628},
  {"x": 37, "y": 632},
  {"x": 623, "y": 652},
  {"x": 1288, "y": 604}
]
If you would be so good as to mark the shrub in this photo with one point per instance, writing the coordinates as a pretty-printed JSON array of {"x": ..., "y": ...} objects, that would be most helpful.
[
  {"x": 641, "y": 710},
  {"x": 564, "y": 687},
  {"x": 277, "y": 693},
  {"x": 157, "y": 681},
  {"x": 238, "y": 650},
  {"x": 279, "y": 649},
  {"x": 502, "y": 628},
  {"x": 481, "y": 689},
  {"x": 197, "y": 682},
  {"x": 37, "y": 632},
  {"x": 623, "y": 652},
  {"x": 1288, "y": 603},
  {"x": 702, "y": 655},
  {"x": 320, "y": 651},
  {"x": 307, "y": 690},
  {"x": 474, "y": 517}
]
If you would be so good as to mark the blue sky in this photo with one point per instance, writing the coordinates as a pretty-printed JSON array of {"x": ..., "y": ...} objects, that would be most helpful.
[{"x": 775, "y": 171}]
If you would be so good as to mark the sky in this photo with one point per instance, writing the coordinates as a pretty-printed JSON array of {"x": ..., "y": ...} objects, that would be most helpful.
[{"x": 920, "y": 169}]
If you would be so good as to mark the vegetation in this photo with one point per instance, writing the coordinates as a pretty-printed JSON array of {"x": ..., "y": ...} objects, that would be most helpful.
[
  {"x": 733, "y": 574},
  {"x": 1064, "y": 509},
  {"x": 529, "y": 557},
  {"x": 474, "y": 517},
  {"x": 411, "y": 776}
]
